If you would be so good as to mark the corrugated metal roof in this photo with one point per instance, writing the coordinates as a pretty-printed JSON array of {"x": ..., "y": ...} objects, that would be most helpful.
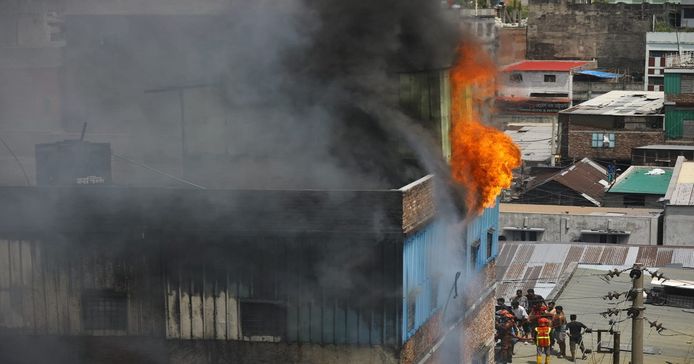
[
  {"x": 533, "y": 139},
  {"x": 643, "y": 179},
  {"x": 622, "y": 103},
  {"x": 584, "y": 177},
  {"x": 599, "y": 74},
  {"x": 538, "y": 66},
  {"x": 525, "y": 265},
  {"x": 666, "y": 147}
]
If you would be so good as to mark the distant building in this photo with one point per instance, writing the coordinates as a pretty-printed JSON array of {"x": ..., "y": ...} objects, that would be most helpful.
[
  {"x": 588, "y": 84},
  {"x": 639, "y": 186},
  {"x": 679, "y": 99},
  {"x": 607, "y": 127},
  {"x": 536, "y": 142},
  {"x": 679, "y": 205},
  {"x": 663, "y": 155},
  {"x": 512, "y": 43},
  {"x": 552, "y": 223},
  {"x": 661, "y": 50},
  {"x": 538, "y": 86},
  {"x": 582, "y": 184}
]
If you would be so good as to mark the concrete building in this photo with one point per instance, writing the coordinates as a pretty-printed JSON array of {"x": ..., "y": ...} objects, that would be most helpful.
[
  {"x": 662, "y": 49},
  {"x": 551, "y": 223},
  {"x": 639, "y": 186},
  {"x": 539, "y": 86},
  {"x": 534, "y": 91},
  {"x": 512, "y": 43},
  {"x": 607, "y": 127},
  {"x": 588, "y": 84},
  {"x": 679, "y": 99},
  {"x": 613, "y": 34},
  {"x": 679, "y": 205},
  {"x": 661, "y": 155}
]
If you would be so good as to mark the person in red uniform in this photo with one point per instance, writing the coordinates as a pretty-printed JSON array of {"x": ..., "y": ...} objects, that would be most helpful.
[{"x": 543, "y": 332}]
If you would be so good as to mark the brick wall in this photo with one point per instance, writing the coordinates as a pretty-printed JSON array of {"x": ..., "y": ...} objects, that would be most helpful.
[
  {"x": 512, "y": 42},
  {"x": 580, "y": 143},
  {"x": 614, "y": 34},
  {"x": 422, "y": 341},
  {"x": 468, "y": 338},
  {"x": 418, "y": 205}
]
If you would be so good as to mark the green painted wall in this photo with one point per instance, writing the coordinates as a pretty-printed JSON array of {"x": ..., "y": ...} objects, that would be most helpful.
[
  {"x": 672, "y": 84},
  {"x": 426, "y": 97},
  {"x": 673, "y": 121}
]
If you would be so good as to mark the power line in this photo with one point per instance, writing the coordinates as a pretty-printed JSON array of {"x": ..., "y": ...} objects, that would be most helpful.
[{"x": 21, "y": 166}]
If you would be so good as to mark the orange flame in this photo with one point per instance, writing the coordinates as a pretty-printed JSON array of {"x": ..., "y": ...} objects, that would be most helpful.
[{"x": 482, "y": 157}]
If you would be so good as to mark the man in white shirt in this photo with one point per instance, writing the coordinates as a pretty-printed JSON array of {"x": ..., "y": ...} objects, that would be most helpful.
[{"x": 521, "y": 317}]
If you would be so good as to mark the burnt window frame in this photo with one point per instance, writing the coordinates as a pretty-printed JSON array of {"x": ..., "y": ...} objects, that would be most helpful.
[
  {"x": 104, "y": 310},
  {"x": 475, "y": 253},
  {"x": 515, "y": 77},
  {"x": 274, "y": 326}
]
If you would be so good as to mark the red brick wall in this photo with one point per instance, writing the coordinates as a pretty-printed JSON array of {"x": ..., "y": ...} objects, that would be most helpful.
[
  {"x": 417, "y": 204},
  {"x": 512, "y": 43},
  {"x": 473, "y": 335},
  {"x": 580, "y": 143}
]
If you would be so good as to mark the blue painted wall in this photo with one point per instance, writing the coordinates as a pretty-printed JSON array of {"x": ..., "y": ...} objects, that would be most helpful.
[{"x": 423, "y": 257}]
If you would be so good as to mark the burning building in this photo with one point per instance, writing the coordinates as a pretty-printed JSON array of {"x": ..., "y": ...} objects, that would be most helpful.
[{"x": 304, "y": 225}]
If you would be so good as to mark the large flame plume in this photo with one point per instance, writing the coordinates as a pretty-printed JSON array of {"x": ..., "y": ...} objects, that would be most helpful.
[{"x": 482, "y": 157}]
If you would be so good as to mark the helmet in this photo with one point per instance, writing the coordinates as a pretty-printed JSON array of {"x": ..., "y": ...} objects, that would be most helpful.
[{"x": 543, "y": 321}]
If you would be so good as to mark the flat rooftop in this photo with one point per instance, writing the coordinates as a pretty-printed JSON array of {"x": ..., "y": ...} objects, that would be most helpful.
[
  {"x": 576, "y": 210},
  {"x": 666, "y": 147},
  {"x": 679, "y": 192},
  {"x": 622, "y": 103},
  {"x": 643, "y": 180}
]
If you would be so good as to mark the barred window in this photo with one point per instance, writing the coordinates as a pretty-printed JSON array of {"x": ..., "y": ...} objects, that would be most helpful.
[
  {"x": 104, "y": 309},
  {"x": 602, "y": 140}
]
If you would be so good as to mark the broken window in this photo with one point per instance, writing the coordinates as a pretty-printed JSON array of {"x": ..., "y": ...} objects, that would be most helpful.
[
  {"x": 516, "y": 77},
  {"x": 550, "y": 78},
  {"x": 603, "y": 140},
  {"x": 263, "y": 319},
  {"x": 104, "y": 309},
  {"x": 474, "y": 253},
  {"x": 490, "y": 241}
]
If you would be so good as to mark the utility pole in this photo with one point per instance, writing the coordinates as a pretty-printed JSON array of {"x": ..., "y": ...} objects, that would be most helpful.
[
  {"x": 616, "y": 347},
  {"x": 637, "y": 315}
]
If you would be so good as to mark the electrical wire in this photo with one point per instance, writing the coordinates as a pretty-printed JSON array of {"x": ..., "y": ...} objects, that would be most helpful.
[{"x": 21, "y": 166}]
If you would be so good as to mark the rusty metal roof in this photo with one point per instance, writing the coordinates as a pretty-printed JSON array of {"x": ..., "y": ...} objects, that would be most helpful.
[{"x": 585, "y": 177}]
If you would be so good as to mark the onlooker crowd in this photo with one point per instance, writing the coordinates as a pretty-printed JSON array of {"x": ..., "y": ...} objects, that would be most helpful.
[{"x": 530, "y": 319}]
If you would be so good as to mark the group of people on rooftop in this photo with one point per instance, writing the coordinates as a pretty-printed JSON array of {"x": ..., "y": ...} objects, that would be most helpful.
[{"x": 531, "y": 319}]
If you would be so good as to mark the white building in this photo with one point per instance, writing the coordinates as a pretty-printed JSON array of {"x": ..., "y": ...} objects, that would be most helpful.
[
  {"x": 540, "y": 78},
  {"x": 662, "y": 50}
]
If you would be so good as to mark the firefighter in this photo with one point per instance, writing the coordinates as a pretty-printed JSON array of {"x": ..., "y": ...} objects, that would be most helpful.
[{"x": 543, "y": 333}]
